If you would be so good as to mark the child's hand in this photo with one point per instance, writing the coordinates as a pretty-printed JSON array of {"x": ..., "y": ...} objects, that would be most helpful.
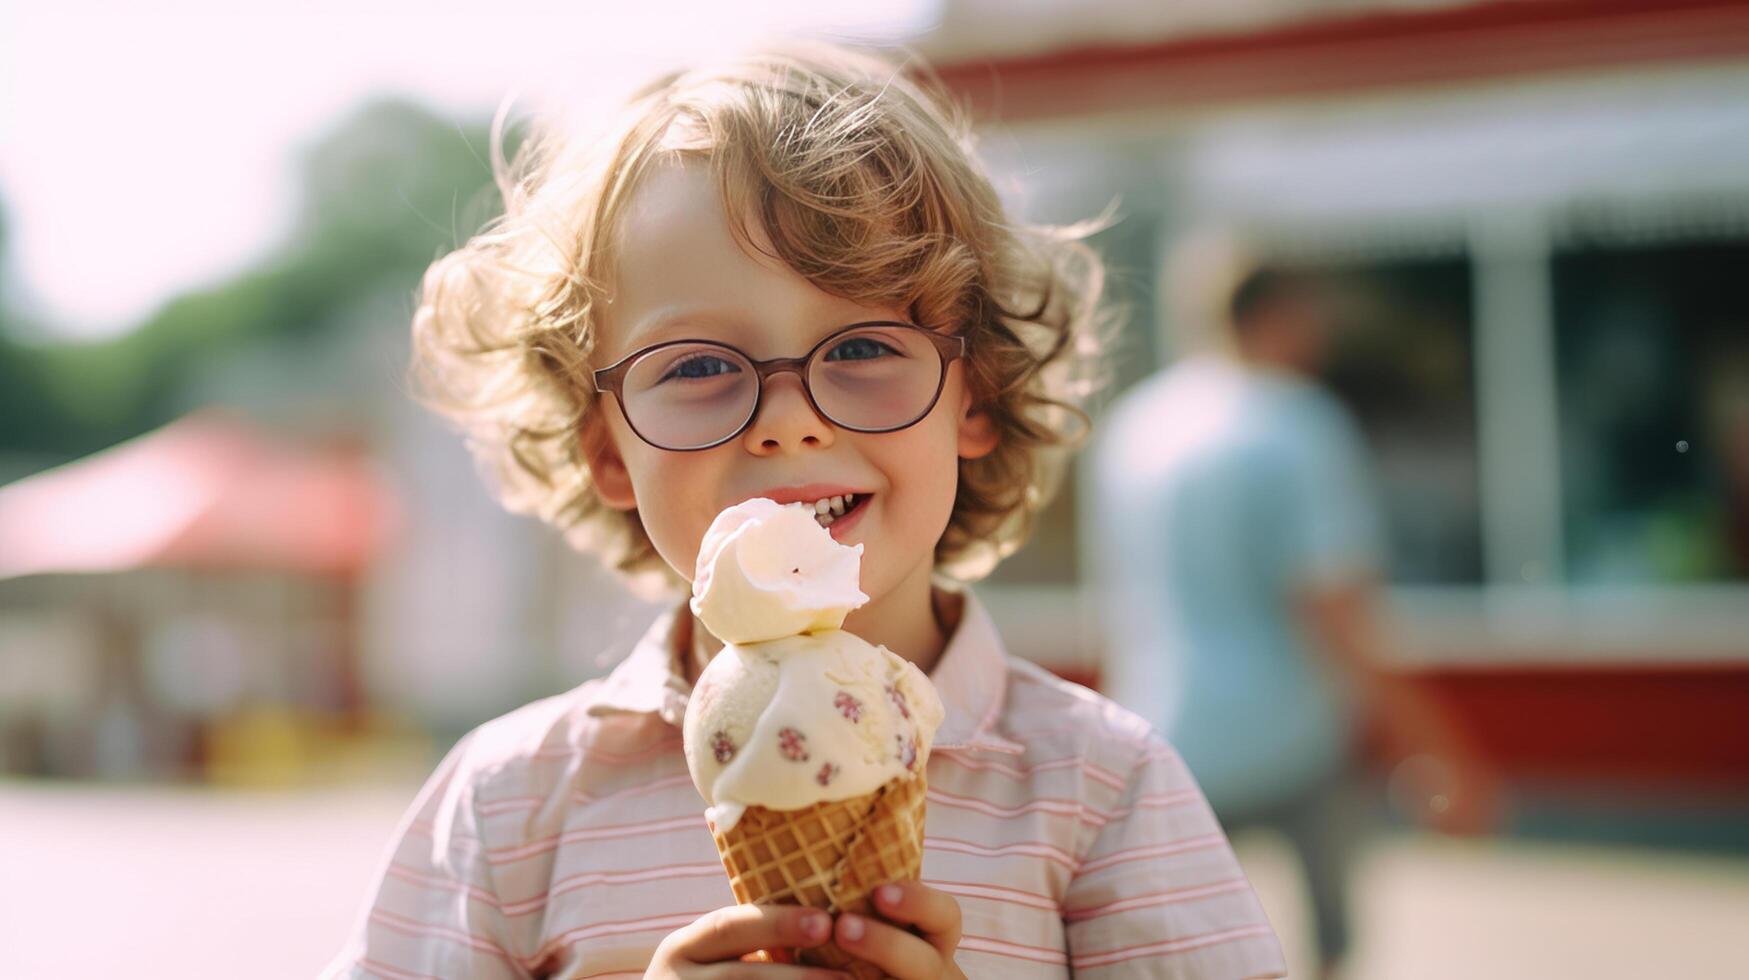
[
  {"x": 920, "y": 941},
  {"x": 713, "y": 944}
]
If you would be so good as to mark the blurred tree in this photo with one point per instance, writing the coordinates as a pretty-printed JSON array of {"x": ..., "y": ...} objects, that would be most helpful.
[
  {"x": 24, "y": 393},
  {"x": 386, "y": 191}
]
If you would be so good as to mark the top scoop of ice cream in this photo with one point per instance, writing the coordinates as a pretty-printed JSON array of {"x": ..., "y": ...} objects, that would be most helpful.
[
  {"x": 800, "y": 720},
  {"x": 766, "y": 570}
]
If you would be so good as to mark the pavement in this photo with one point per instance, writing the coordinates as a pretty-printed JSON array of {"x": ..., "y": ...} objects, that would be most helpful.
[{"x": 149, "y": 882}]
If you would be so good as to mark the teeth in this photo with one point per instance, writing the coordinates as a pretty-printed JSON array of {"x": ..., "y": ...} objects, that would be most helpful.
[
  {"x": 831, "y": 508},
  {"x": 828, "y": 509}
]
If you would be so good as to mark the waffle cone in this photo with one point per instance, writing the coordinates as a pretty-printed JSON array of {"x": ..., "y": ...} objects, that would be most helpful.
[{"x": 828, "y": 856}]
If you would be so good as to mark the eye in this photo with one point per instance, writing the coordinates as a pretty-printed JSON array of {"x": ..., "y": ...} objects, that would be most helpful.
[
  {"x": 859, "y": 349},
  {"x": 695, "y": 366}
]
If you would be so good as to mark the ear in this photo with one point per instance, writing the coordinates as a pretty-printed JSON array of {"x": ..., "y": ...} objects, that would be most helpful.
[
  {"x": 977, "y": 431},
  {"x": 613, "y": 482}
]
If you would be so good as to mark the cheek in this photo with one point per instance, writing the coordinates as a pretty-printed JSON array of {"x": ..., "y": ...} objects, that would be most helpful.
[
  {"x": 675, "y": 493},
  {"x": 923, "y": 468},
  {"x": 671, "y": 520}
]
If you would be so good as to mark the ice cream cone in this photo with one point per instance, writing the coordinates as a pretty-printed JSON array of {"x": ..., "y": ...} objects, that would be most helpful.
[
  {"x": 807, "y": 742},
  {"x": 830, "y": 856}
]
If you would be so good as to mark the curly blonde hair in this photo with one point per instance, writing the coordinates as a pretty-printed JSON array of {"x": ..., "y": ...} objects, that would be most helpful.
[{"x": 862, "y": 177}]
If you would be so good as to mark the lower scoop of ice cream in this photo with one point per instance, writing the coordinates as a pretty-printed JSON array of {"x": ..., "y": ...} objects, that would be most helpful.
[{"x": 789, "y": 723}]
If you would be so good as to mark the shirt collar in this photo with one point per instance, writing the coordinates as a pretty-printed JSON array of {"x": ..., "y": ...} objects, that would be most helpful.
[
  {"x": 971, "y": 678},
  {"x": 648, "y": 681}
]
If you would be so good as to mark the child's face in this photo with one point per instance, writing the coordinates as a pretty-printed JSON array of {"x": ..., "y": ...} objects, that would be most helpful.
[{"x": 675, "y": 256}]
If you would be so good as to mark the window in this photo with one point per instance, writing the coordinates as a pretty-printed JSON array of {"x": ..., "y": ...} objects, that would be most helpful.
[{"x": 1652, "y": 360}]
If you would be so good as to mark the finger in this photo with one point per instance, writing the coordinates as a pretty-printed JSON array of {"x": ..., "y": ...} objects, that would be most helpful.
[
  {"x": 935, "y": 913},
  {"x": 894, "y": 950},
  {"x": 729, "y": 933}
]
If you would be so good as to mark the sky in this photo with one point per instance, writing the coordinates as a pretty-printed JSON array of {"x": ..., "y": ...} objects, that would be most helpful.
[{"x": 144, "y": 154}]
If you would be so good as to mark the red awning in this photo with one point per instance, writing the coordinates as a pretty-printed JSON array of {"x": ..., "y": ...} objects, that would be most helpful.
[{"x": 207, "y": 491}]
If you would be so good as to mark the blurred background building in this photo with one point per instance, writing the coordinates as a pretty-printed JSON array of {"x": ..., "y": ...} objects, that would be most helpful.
[
  {"x": 1534, "y": 213},
  {"x": 234, "y": 553}
]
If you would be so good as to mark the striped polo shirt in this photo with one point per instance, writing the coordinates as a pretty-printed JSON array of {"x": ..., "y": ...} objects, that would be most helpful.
[{"x": 566, "y": 839}]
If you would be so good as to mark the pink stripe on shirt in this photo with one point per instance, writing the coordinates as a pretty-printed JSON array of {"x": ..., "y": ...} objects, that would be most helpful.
[
  {"x": 1170, "y": 946},
  {"x": 1150, "y": 899},
  {"x": 1038, "y": 954},
  {"x": 1156, "y": 850},
  {"x": 385, "y": 970},
  {"x": 505, "y": 855},
  {"x": 412, "y": 927}
]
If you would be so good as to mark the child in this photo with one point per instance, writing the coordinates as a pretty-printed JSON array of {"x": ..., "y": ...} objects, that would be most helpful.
[{"x": 786, "y": 277}]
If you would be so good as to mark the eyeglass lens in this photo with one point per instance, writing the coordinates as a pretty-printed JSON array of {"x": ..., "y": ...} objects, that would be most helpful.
[{"x": 687, "y": 396}]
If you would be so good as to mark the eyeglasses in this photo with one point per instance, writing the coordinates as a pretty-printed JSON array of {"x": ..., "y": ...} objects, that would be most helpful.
[{"x": 875, "y": 376}]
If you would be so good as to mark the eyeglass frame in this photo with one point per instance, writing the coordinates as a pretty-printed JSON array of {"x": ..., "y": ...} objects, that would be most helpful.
[{"x": 611, "y": 379}]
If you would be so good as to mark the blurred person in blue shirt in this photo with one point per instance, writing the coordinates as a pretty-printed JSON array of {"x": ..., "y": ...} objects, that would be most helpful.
[{"x": 1238, "y": 544}]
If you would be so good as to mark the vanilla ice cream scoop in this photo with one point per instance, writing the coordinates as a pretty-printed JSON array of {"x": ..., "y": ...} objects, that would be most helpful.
[
  {"x": 799, "y": 720},
  {"x": 768, "y": 570},
  {"x": 793, "y": 710}
]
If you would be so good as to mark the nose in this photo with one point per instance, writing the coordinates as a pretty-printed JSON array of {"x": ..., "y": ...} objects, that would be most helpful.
[{"x": 786, "y": 421}]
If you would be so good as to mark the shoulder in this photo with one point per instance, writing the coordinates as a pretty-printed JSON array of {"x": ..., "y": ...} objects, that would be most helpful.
[
  {"x": 529, "y": 731},
  {"x": 1141, "y": 406},
  {"x": 1056, "y": 716},
  {"x": 1311, "y": 409},
  {"x": 1182, "y": 421},
  {"x": 539, "y": 748}
]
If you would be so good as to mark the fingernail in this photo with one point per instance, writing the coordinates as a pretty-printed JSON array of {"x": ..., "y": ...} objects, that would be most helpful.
[
  {"x": 888, "y": 894},
  {"x": 815, "y": 926},
  {"x": 852, "y": 928}
]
